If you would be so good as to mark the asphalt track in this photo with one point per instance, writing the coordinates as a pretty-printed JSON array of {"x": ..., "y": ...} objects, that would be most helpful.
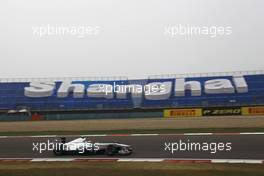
[{"x": 247, "y": 146}]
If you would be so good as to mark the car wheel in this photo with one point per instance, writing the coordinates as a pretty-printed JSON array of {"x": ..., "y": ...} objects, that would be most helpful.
[
  {"x": 111, "y": 150},
  {"x": 124, "y": 152},
  {"x": 58, "y": 152}
]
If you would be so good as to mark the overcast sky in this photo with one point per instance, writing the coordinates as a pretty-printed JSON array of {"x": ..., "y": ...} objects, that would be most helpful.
[{"x": 131, "y": 37}]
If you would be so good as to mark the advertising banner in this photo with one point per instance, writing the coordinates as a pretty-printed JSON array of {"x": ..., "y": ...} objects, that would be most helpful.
[
  {"x": 257, "y": 110},
  {"x": 188, "y": 92},
  {"x": 182, "y": 113},
  {"x": 223, "y": 111}
]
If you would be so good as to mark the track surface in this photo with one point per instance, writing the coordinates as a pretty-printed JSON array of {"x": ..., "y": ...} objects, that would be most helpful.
[{"x": 249, "y": 146}]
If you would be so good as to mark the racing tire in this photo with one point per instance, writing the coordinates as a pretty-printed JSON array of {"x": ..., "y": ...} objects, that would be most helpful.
[
  {"x": 111, "y": 150},
  {"x": 58, "y": 152}
]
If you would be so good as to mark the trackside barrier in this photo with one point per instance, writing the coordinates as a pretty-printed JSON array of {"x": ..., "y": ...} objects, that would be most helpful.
[
  {"x": 214, "y": 111},
  {"x": 36, "y": 117},
  {"x": 255, "y": 110},
  {"x": 221, "y": 111},
  {"x": 83, "y": 116},
  {"x": 14, "y": 118},
  {"x": 120, "y": 115},
  {"x": 168, "y": 113}
]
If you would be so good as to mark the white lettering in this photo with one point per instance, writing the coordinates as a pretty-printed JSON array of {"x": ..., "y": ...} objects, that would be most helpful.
[
  {"x": 158, "y": 90},
  {"x": 100, "y": 91},
  {"x": 218, "y": 86},
  {"x": 67, "y": 87},
  {"x": 39, "y": 89},
  {"x": 193, "y": 86},
  {"x": 152, "y": 91}
]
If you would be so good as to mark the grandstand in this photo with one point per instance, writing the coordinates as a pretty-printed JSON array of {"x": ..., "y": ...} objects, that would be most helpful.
[{"x": 14, "y": 99}]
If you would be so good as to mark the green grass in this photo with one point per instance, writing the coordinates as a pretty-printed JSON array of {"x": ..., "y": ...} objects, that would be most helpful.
[
  {"x": 128, "y": 169},
  {"x": 160, "y": 131}
]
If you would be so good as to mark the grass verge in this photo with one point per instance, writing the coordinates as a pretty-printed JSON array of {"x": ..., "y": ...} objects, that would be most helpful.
[{"x": 128, "y": 169}]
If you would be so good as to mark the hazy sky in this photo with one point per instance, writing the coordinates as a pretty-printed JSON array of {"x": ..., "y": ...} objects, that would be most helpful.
[{"x": 131, "y": 39}]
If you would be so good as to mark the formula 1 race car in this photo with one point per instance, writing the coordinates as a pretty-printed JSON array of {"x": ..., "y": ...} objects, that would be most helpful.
[{"x": 83, "y": 146}]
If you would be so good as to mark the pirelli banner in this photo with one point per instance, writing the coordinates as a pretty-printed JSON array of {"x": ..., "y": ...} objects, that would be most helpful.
[
  {"x": 174, "y": 113},
  {"x": 255, "y": 110},
  {"x": 214, "y": 111},
  {"x": 222, "y": 111}
]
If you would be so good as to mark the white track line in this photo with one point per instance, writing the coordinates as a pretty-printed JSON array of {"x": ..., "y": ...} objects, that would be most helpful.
[
  {"x": 176, "y": 160},
  {"x": 261, "y": 133},
  {"x": 44, "y": 136},
  {"x": 93, "y": 135},
  {"x": 117, "y": 135},
  {"x": 139, "y": 160},
  {"x": 51, "y": 159},
  {"x": 197, "y": 134},
  {"x": 144, "y": 134},
  {"x": 236, "y": 161}
]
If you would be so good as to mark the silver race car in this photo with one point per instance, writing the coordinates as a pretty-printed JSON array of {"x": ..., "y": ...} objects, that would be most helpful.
[{"x": 83, "y": 146}]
